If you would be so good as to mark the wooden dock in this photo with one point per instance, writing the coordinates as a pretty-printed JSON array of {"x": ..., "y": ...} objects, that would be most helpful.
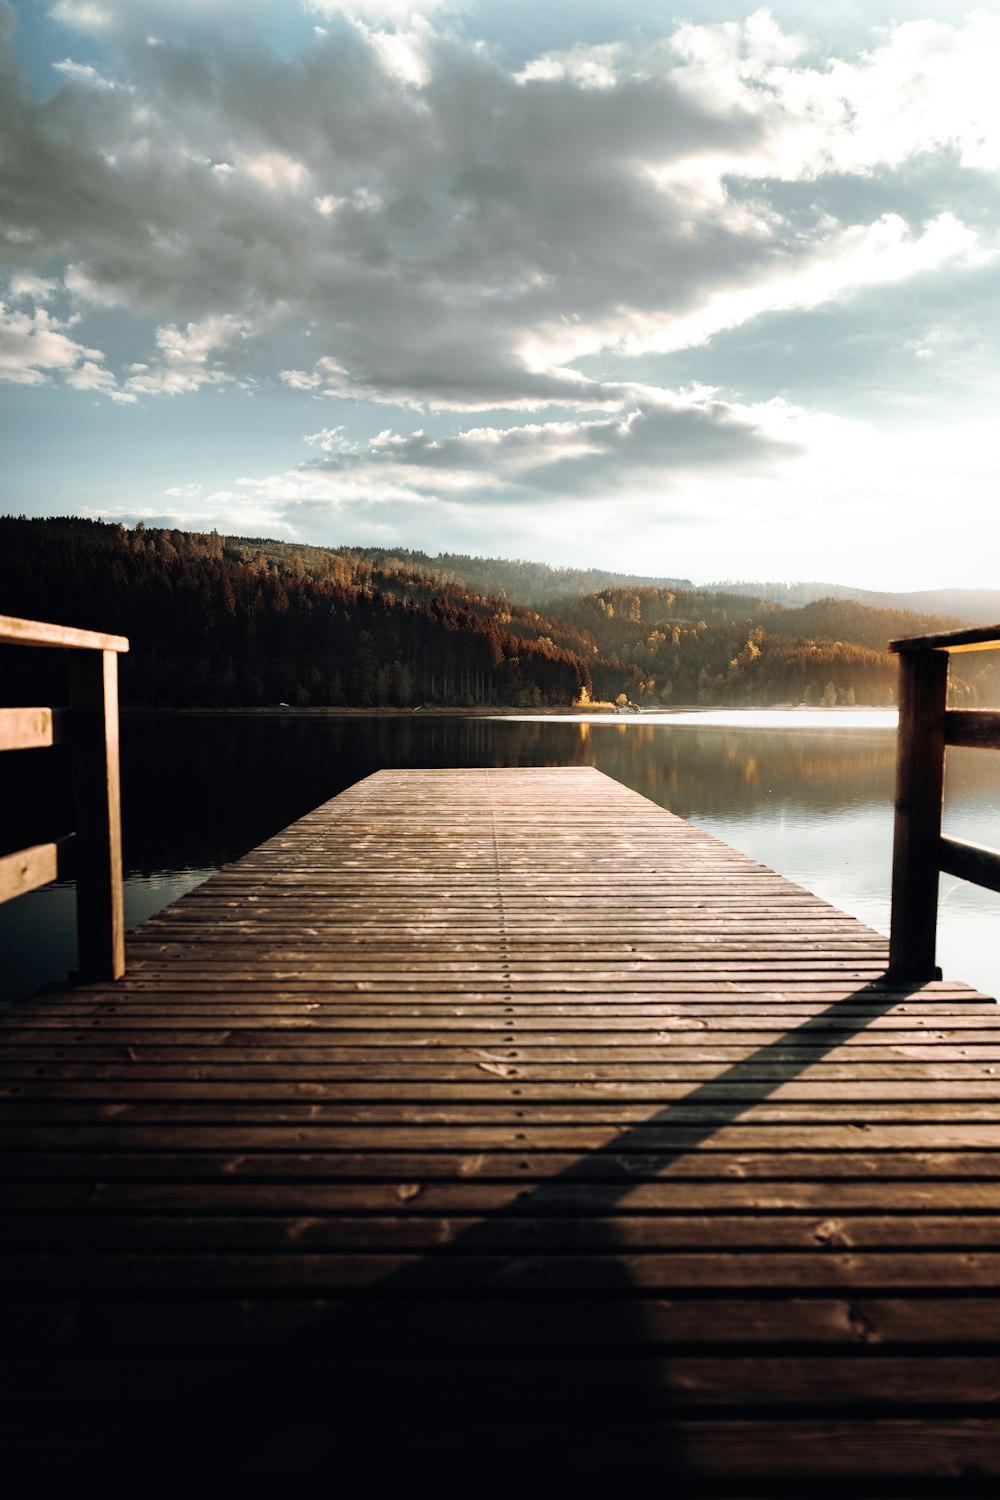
[{"x": 495, "y": 1129}]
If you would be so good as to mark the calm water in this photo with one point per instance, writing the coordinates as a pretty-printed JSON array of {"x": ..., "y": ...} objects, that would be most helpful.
[{"x": 811, "y": 798}]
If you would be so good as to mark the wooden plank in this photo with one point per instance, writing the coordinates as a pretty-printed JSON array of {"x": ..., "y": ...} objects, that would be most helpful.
[
  {"x": 524, "y": 1273},
  {"x": 505, "y": 1383},
  {"x": 971, "y": 862},
  {"x": 445, "y": 1196},
  {"x": 28, "y": 869},
  {"x": 32, "y": 728},
  {"x": 15, "y": 632},
  {"x": 977, "y": 728},
  {"x": 823, "y": 1324},
  {"x": 974, "y": 638},
  {"x": 97, "y": 809},
  {"x": 388, "y": 1163},
  {"x": 587, "y": 1232},
  {"x": 923, "y": 686}
]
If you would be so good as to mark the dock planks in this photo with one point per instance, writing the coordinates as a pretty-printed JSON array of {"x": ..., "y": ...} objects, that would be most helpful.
[{"x": 498, "y": 1129}]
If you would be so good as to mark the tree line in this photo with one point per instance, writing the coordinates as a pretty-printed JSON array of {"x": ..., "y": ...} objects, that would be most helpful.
[
  {"x": 227, "y": 622},
  {"x": 215, "y": 624}
]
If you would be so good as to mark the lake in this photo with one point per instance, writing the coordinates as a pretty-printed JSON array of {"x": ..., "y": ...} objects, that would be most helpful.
[{"x": 808, "y": 793}]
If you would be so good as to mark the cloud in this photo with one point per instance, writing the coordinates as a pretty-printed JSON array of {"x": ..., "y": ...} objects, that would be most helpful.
[
  {"x": 384, "y": 12},
  {"x": 37, "y": 288},
  {"x": 83, "y": 15},
  {"x": 34, "y": 348},
  {"x": 457, "y": 235},
  {"x": 666, "y": 435},
  {"x": 83, "y": 74},
  {"x": 94, "y": 377},
  {"x": 185, "y": 359}
]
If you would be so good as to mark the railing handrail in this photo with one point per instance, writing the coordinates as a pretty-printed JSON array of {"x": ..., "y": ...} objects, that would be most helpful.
[
  {"x": 15, "y": 632},
  {"x": 91, "y": 727},
  {"x": 920, "y": 851}
]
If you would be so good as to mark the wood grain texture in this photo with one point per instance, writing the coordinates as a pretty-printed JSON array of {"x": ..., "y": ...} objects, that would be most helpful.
[
  {"x": 970, "y": 638},
  {"x": 27, "y": 869},
  {"x": 15, "y": 632},
  {"x": 971, "y": 862},
  {"x": 100, "y": 915},
  {"x": 500, "y": 1126},
  {"x": 977, "y": 728},
  {"x": 33, "y": 728},
  {"x": 916, "y": 849}
]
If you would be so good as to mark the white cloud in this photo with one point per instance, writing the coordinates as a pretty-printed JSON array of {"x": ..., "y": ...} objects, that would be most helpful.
[
  {"x": 32, "y": 347},
  {"x": 928, "y": 86},
  {"x": 403, "y": 53},
  {"x": 91, "y": 376},
  {"x": 184, "y": 362},
  {"x": 588, "y": 66},
  {"x": 83, "y": 286},
  {"x": 327, "y": 204},
  {"x": 332, "y": 440},
  {"x": 38, "y": 288},
  {"x": 275, "y": 170},
  {"x": 83, "y": 74},
  {"x": 671, "y": 433},
  {"x": 384, "y": 12},
  {"x": 82, "y": 15},
  {"x": 848, "y": 261}
]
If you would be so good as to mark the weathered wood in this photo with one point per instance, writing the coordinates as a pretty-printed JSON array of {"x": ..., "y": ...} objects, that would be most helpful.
[
  {"x": 32, "y": 728},
  {"x": 972, "y": 638},
  {"x": 500, "y": 1117},
  {"x": 27, "y": 869},
  {"x": 923, "y": 686},
  {"x": 971, "y": 862},
  {"x": 829, "y": 1324},
  {"x": 977, "y": 728},
  {"x": 97, "y": 805},
  {"x": 15, "y": 632}
]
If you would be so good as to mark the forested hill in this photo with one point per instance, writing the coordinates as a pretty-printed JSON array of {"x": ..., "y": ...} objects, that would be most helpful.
[
  {"x": 213, "y": 621},
  {"x": 522, "y": 582},
  {"x": 229, "y": 621},
  {"x": 699, "y": 646}
]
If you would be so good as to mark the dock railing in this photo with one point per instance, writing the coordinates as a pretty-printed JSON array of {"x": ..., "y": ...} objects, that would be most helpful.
[
  {"x": 920, "y": 851},
  {"x": 94, "y": 850}
]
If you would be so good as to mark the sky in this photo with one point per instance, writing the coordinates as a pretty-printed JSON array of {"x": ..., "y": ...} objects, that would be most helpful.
[{"x": 710, "y": 293}]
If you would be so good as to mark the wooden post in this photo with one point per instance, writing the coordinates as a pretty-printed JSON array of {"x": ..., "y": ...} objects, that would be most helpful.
[
  {"x": 97, "y": 814},
  {"x": 916, "y": 855}
]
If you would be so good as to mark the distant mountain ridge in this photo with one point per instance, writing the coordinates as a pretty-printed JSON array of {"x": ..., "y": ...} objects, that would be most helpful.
[
  {"x": 523, "y": 582},
  {"x": 542, "y": 586},
  {"x": 974, "y": 606}
]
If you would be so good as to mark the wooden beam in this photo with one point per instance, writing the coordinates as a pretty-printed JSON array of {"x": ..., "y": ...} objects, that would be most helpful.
[
  {"x": 32, "y": 728},
  {"x": 971, "y": 862},
  {"x": 978, "y": 728},
  {"x": 975, "y": 638},
  {"x": 97, "y": 813},
  {"x": 923, "y": 687},
  {"x": 27, "y": 869},
  {"x": 14, "y": 632}
]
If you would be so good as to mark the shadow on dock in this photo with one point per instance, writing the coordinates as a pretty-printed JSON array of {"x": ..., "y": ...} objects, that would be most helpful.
[{"x": 532, "y": 1350}]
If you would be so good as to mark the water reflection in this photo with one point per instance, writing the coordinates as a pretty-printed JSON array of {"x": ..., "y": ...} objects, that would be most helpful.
[{"x": 814, "y": 803}]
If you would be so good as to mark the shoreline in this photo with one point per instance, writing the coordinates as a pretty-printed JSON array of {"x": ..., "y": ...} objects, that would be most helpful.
[{"x": 680, "y": 714}]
